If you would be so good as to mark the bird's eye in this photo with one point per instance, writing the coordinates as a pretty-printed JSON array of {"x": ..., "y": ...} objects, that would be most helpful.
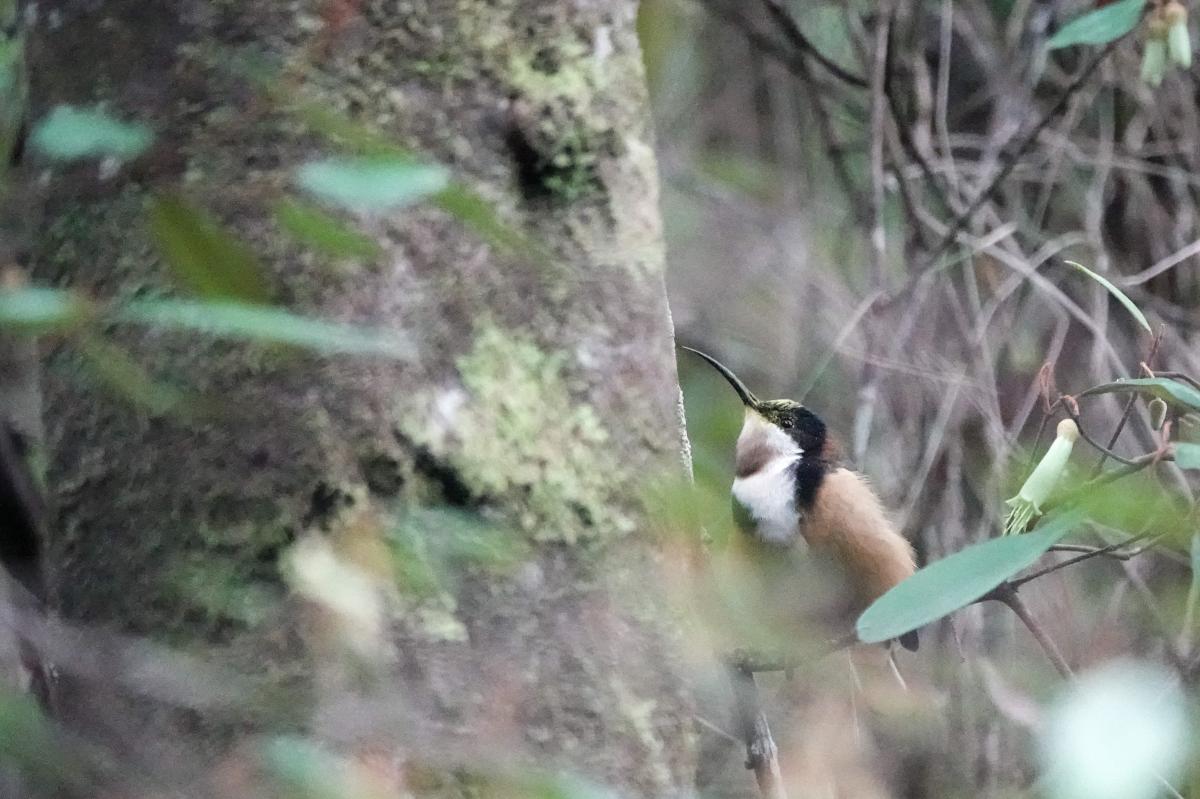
[{"x": 787, "y": 423}]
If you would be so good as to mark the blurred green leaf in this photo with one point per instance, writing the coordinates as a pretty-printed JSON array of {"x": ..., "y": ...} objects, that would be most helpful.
[
  {"x": 1187, "y": 456},
  {"x": 1116, "y": 292},
  {"x": 1100, "y": 26},
  {"x": 371, "y": 184},
  {"x": 126, "y": 378},
  {"x": 35, "y": 310},
  {"x": 68, "y": 134},
  {"x": 324, "y": 232},
  {"x": 30, "y": 745},
  {"x": 39, "y": 307},
  {"x": 432, "y": 546},
  {"x": 955, "y": 581},
  {"x": 337, "y": 127},
  {"x": 306, "y": 770},
  {"x": 453, "y": 198},
  {"x": 206, "y": 257},
  {"x": 1118, "y": 732},
  {"x": 265, "y": 323},
  {"x": 479, "y": 215},
  {"x": 749, "y": 175},
  {"x": 1179, "y": 396}
]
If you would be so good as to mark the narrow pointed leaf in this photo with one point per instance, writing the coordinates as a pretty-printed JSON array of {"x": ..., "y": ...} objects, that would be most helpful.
[
  {"x": 124, "y": 376},
  {"x": 1179, "y": 396},
  {"x": 478, "y": 214},
  {"x": 265, "y": 323},
  {"x": 324, "y": 232},
  {"x": 35, "y": 309},
  {"x": 1100, "y": 26},
  {"x": 1116, "y": 292},
  {"x": 205, "y": 256},
  {"x": 958, "y": 580},
  {"x": 69, "y": 134},
  {"x": 1187, "y": 456},
  {"x": 371, "y": 184}
]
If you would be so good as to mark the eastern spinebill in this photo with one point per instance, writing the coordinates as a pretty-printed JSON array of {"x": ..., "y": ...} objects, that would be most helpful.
[{"x": 790, "y": 485}]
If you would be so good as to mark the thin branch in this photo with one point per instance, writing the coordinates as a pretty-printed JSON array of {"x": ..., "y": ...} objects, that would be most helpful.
[
  {"x": 1158, "y": 337},
  {"x": 1093, "y": 553},
  {"x": 1166, "y": 263},
  {"x": 796, "y": 37},
  {"x": 1014, "y": 156},
  {"x": 1007, "y": 594},
  {"x": 762, "y": 755},
  {"x": 877, "y": 196},
  {"x": 1071, "y": 410}
]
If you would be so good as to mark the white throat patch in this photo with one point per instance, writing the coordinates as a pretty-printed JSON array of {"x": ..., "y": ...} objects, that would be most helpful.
[{"x": 769, "y": 493}]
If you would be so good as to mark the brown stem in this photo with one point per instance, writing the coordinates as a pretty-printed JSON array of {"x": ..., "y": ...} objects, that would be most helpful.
[
  {"x": 1091, "y": 553},
  {"x": 762, "y": 755},
  {"x": 1105, "y": 453},
  {"x": 1007, "y": 594},
  {"x": 1009, "y": 163}
]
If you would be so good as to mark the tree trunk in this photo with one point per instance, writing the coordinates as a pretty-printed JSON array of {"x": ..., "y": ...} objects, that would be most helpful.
[{"x": 539, "y": 397}]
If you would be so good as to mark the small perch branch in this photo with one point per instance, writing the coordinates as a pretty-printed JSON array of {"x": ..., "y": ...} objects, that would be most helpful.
[
  {"x": 1110, "y": 550},
  {"x": 762, "y": 755}
]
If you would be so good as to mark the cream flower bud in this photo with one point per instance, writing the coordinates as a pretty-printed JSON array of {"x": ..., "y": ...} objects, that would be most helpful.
[{"x": 1041, "y": 483}]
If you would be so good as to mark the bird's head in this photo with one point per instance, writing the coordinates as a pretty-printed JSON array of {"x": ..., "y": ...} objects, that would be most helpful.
[{"x": 766, "y": 419}]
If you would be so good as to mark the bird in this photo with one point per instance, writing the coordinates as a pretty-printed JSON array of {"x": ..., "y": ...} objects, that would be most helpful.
[{"x": 791, "y": 490}]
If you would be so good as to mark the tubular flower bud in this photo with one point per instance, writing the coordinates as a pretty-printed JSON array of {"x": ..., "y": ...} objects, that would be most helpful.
[
  {"x": 1158, "y": 413},
  {"x": 1154, "y": 62},
  {"x": 1179, "y": 42},
  {"x": 1040, "y": 484}
]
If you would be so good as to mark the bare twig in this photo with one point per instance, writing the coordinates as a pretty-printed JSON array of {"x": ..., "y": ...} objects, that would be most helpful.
[
  {"x": 796, "y": 37},
  {"x": 762, "y": 755},
  {"x": 1158, "y": 337},
  {"x": 1007, "y": 594},
  {"x": 877, "y": 196},
  {"x": 1072, "y": 411},
  {"x": 1111, "y": 549},
  {"x": 1014, "y": 156}
]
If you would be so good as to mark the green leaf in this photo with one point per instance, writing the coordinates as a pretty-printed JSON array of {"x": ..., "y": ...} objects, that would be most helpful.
[
  {"x": 39, "y": 309},
  {"x": 306, "y": 770},
  {"x": 371, "y": 184},
  {"x": 1180, "y": 396},
  {"x": 478, "y": 214},
  {"x": 265, "y": 323},
  {"x": 125, "y": 377},
  {"x": 958, "y": 580},
  {"x": 1100, "y": 26},
  {"x": 69, "y": 134},
  {"x": 1116, "y": 292},
  {"x": 335, "y": 126},
  {"x": 205, "y": 256},
  {"x": 324, "y": 232},
  {"x": 30, "y": 746},
  {"x": 1187, "y": 456},
  {"x": 434, "y": 547}
]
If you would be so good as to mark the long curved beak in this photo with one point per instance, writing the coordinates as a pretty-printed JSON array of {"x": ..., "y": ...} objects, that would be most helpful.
[{"x": 748, "y": 398}]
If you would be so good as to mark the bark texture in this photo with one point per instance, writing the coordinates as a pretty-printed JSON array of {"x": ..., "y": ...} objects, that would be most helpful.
[{"x": 539, "y": 396}]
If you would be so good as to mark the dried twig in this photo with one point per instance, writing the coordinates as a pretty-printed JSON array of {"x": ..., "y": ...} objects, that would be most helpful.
[
  {"x": 1010, "y": 160},
  {"x": 762, "y": 755}
]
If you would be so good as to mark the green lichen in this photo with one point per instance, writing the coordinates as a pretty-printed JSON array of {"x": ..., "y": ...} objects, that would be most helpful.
[{"x": 522, "y": 438}]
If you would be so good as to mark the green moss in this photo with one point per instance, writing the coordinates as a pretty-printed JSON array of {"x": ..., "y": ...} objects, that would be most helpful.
[{"x": 520, "y": 437}]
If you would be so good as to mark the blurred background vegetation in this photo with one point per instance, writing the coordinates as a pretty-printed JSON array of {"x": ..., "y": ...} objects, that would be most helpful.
[
  {"x": 870, "y": 206},
  {"x": 495, "y": 580}
]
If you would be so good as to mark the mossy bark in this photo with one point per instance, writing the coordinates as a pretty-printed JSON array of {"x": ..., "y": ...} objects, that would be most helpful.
[{"x": 540, "y": 396}]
